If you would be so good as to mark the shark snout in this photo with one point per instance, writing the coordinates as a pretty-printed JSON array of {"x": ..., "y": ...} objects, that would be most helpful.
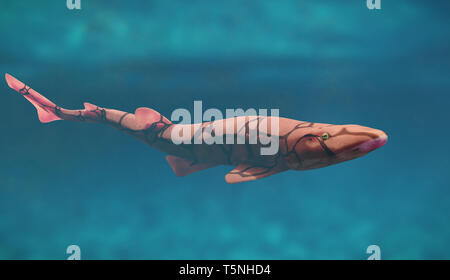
[{"x": 373, "y": 144}]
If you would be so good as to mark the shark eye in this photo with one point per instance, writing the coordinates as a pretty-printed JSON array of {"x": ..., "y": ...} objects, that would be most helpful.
[{"x": 325, "y": 136}]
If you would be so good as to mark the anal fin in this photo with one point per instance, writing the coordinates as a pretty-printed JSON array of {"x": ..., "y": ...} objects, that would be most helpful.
[{"x": 183, "y": 167}]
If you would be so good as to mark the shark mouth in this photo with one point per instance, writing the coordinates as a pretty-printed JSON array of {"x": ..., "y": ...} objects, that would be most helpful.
[{"x": 373, "y": 144}]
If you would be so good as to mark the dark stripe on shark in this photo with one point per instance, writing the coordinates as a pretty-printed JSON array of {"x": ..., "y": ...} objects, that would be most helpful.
[{"x": 344, "y": 131}]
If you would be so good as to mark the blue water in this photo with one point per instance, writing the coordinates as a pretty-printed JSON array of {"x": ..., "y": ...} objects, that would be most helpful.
[{"x": 323, "y": 61}]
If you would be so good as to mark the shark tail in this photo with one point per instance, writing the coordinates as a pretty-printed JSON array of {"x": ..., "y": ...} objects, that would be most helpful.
[{"x": 47, "y": 110}]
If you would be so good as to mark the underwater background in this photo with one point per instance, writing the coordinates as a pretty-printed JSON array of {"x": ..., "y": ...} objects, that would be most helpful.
[{"x": 325, "y": 61}]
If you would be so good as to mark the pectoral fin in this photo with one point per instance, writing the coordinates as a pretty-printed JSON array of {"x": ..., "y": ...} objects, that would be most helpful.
[
  {"x": 248, "y": 172},
  {"x": 183, "y": 167}
]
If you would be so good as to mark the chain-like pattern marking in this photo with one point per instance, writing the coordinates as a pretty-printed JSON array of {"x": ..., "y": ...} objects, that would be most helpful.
[{"x": 249, "y": 162}]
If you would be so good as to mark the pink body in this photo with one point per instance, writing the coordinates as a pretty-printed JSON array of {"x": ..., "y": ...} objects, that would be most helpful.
[{"x": 302, "y": 145}]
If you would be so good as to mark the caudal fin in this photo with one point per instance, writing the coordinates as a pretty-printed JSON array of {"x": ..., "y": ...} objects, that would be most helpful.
[{"x": 45, "y": 108}]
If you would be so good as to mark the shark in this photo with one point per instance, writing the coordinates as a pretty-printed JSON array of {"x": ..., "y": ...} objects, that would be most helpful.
[{"x": 302, "y": 145}]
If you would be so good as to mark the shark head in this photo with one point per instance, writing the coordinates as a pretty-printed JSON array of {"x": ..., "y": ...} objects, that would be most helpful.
[{"x": 326, "y": 144}]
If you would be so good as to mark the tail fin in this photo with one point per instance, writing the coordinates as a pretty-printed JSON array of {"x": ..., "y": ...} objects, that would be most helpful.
[{"x": 45, "y": 108}]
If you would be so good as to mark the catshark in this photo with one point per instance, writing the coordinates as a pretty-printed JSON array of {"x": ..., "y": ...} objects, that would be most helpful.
[{"x": 302, "y": 145}]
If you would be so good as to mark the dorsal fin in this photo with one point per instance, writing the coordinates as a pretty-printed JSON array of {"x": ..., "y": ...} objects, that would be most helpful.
[
  {"x": 90, "y": 107},
  {"x": 145, "y": 117}
]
